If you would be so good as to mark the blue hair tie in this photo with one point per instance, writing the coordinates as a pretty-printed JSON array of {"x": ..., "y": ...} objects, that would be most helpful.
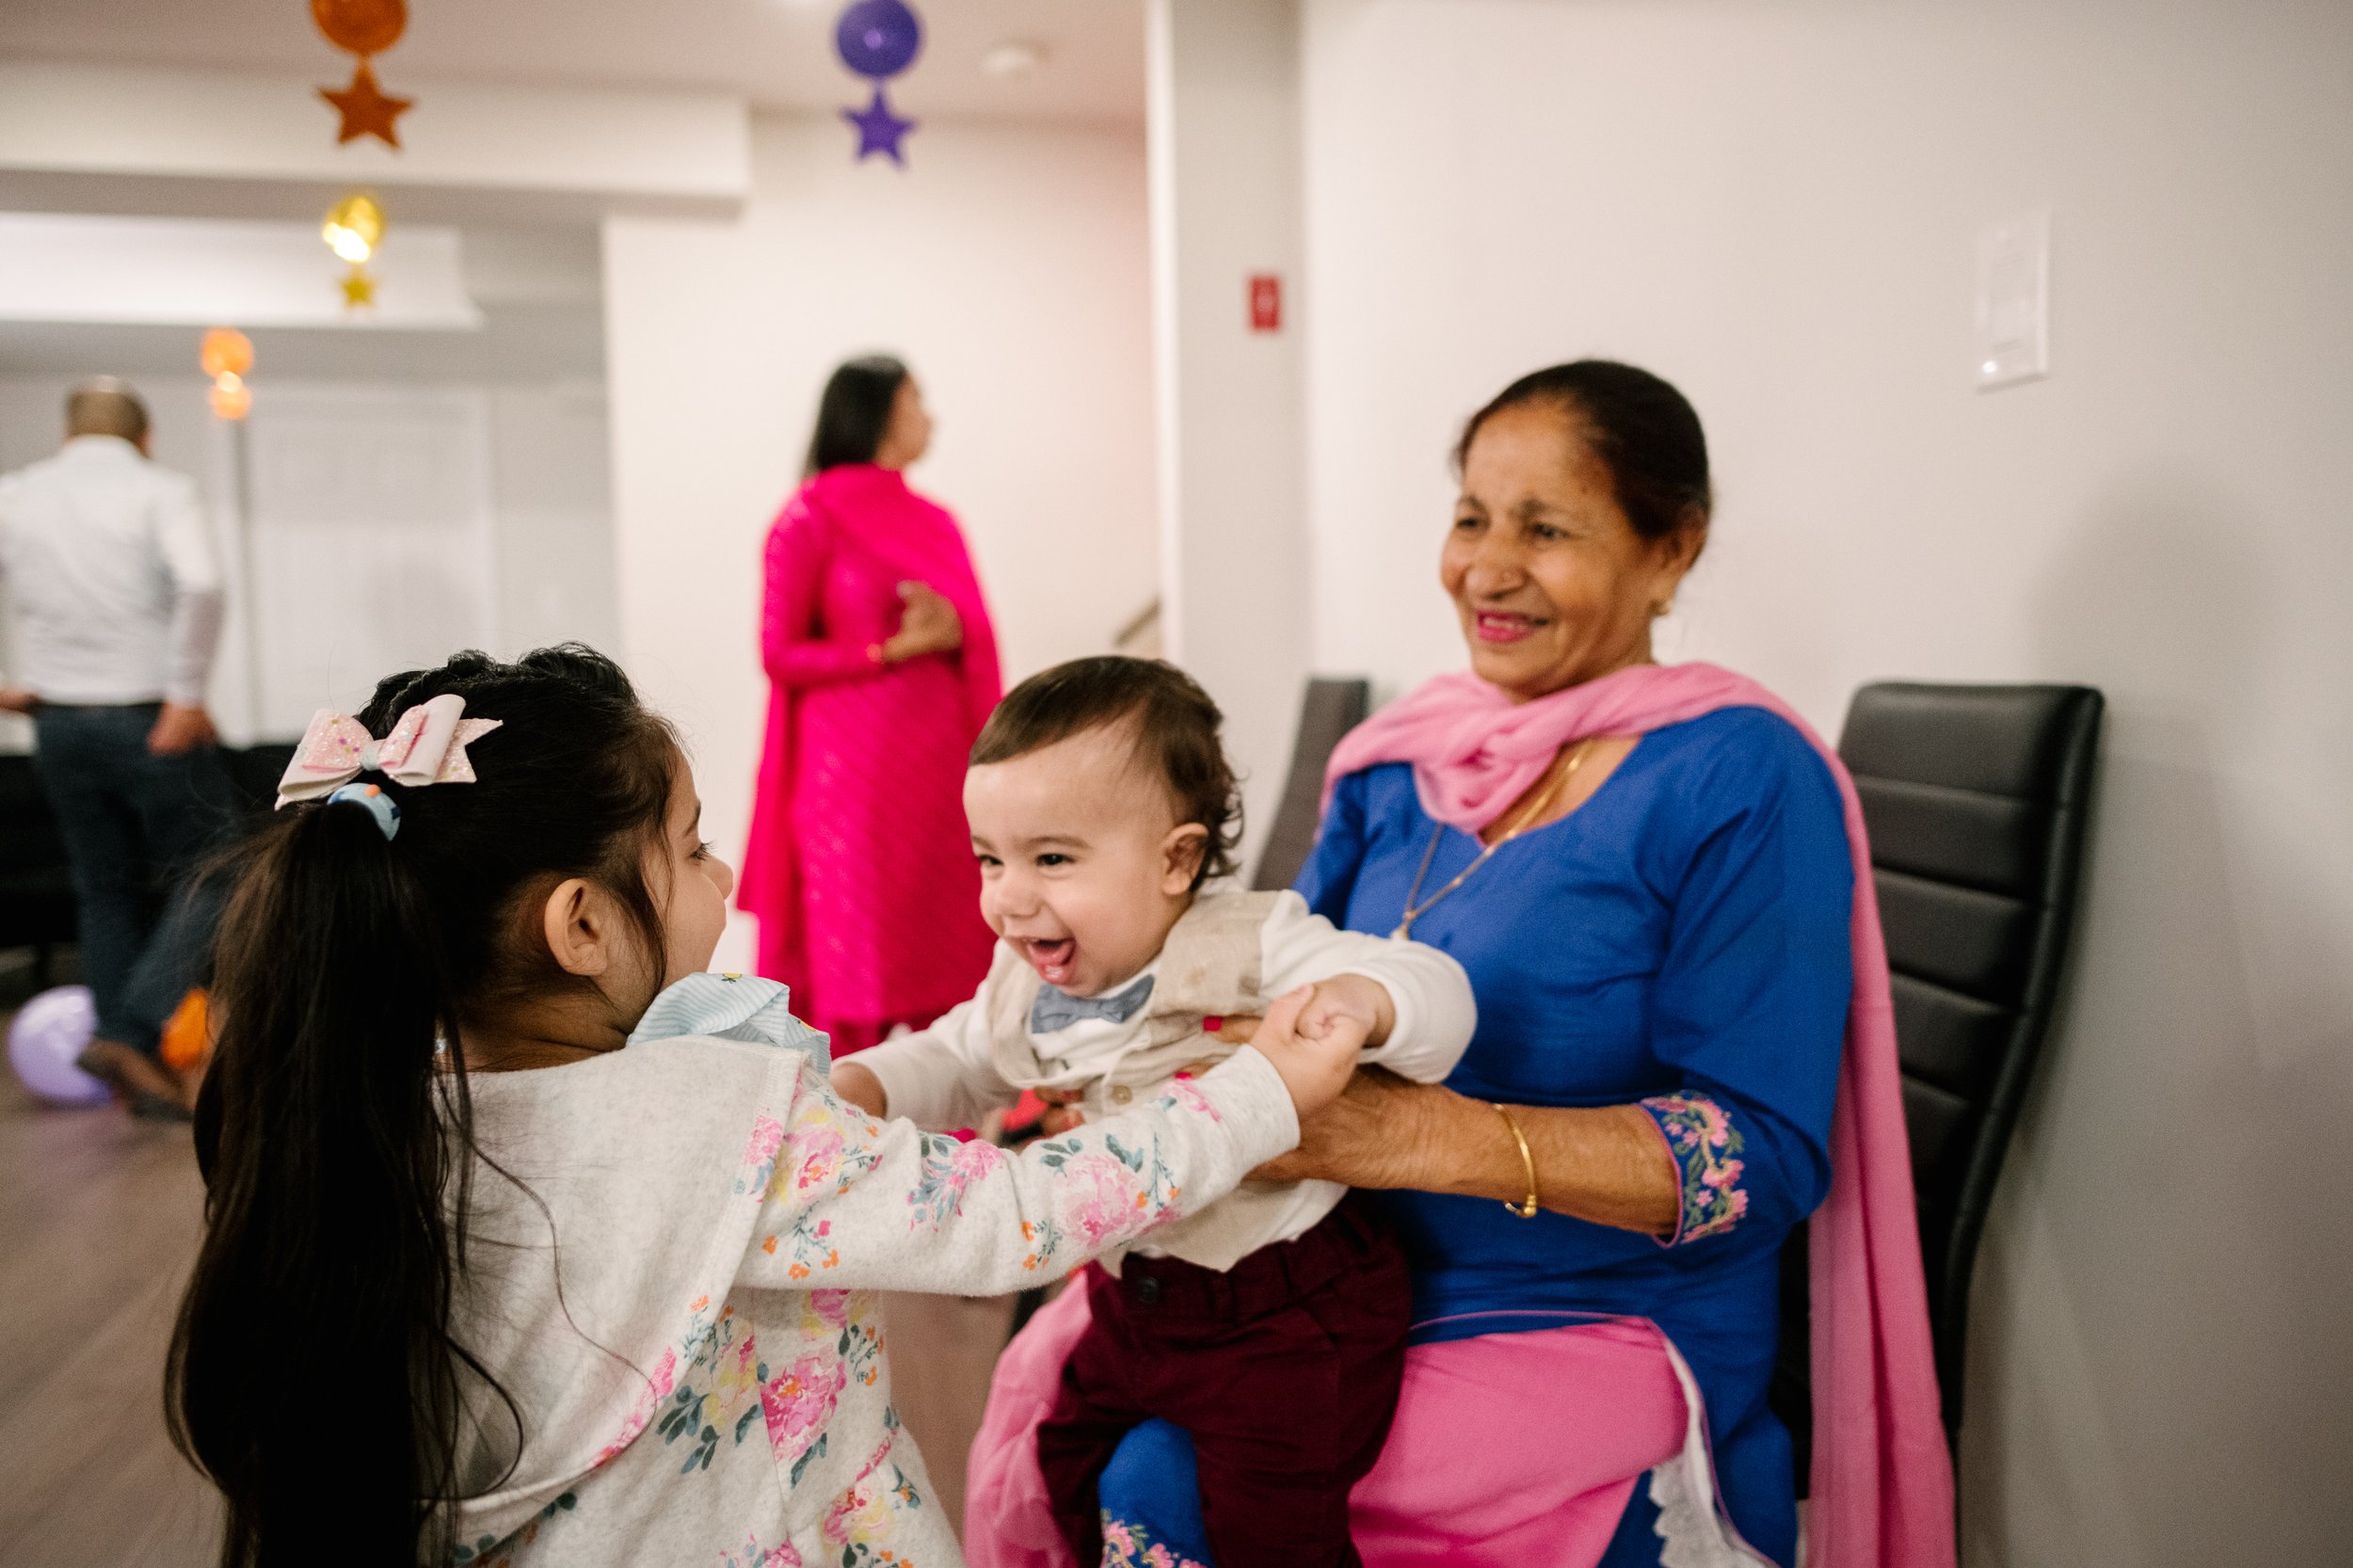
[{"x": 374, "y": 801}]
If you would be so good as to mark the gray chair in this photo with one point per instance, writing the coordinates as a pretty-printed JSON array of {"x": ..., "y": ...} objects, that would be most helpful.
[
  {"x": 1976, "y": 799},
  {"x": 1330, "y": 709}
]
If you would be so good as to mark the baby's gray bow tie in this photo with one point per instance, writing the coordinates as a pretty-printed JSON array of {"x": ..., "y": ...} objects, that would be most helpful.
[{"x": 1057, "y": 1009}]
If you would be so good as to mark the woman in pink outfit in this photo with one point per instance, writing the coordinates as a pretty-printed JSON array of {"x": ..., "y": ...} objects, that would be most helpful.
[{"x": 883, "y": 667}]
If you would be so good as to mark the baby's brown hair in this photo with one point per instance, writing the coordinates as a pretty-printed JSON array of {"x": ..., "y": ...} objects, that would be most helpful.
[{"x": 1175, "y": 727}]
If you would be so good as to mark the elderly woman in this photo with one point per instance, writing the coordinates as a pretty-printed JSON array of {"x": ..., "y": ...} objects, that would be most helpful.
[{"x": 1654, "y": 876}]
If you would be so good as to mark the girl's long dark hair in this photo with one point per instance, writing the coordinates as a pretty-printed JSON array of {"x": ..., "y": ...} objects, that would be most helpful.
[
  {"x": 854, "y": 413},
  {"x": 313, "y": 1375}
]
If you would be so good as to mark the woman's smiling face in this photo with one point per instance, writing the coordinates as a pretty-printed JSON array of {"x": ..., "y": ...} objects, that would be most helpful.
[{"x": 1553, "y": 586}]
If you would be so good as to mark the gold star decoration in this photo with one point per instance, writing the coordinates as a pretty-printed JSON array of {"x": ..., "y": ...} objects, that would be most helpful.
[
  {"x": 366, "y": 108},
  {"x": 358, "y": 290}
]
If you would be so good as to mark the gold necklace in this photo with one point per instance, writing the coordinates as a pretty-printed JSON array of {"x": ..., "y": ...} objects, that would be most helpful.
[{"x": 1520, "y": 824}]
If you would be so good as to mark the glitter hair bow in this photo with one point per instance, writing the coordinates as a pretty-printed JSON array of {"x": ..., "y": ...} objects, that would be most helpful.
[{"x": 427, "y": 746}]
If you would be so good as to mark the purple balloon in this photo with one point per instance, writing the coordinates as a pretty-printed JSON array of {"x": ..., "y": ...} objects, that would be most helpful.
[
  {"x": 878, "y": 38},
  {"x": 52, "y": 1030}
]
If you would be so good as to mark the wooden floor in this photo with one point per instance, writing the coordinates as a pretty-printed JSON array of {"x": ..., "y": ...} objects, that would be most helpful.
[{"x": 97, "y": 1229}]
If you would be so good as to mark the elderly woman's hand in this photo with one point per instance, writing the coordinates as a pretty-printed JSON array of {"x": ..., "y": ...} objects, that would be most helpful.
[{"x": 1371, "y": 1136}]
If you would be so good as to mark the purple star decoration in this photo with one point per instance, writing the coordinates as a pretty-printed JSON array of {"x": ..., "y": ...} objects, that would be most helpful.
[
  {"x": 878, "y": 39},
  {"x": 879, "y": 129}
]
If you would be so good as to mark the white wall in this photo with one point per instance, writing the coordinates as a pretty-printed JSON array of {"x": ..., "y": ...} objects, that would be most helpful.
[
  {"x": 1008, "y": 266},
  {"x": 549, "y": 575},
  {"x": 1775, "y": 205},
  {"x": 1223, "y": 85}
]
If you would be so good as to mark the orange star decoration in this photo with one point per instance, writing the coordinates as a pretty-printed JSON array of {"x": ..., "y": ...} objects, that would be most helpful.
[
  {"x": 367, "y": 109},
  {"x": 358, "y": 290},
  {"x": 364, "y": 27}
]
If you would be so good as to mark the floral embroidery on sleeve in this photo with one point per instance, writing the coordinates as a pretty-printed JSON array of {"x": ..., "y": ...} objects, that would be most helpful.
[
  {"x": 1131, "y": 1546},
  {"x": 1705, "y": 1147}
]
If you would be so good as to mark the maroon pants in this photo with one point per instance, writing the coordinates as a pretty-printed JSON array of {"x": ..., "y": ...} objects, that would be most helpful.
[{"x": 1285, "y": 1370}]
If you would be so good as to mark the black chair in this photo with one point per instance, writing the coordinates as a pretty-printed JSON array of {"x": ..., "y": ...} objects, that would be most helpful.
[
  {"x": 1331, "y": 708},
  {"x": 36, "y": 879},
  {"x": 1975, "y": 797},
  {"x": 255, "y": 770}
]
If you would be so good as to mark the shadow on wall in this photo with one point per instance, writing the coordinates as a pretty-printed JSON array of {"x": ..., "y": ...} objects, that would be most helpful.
[{"x": 2168, "y": 1261}]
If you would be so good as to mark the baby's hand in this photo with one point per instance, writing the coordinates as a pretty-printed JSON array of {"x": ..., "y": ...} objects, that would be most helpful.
[
  {"x": 1352, "y": 1001},
  {"x": 1315, "y": 1067}
]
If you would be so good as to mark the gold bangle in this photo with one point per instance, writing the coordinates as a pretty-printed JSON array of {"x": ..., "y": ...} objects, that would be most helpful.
[{"x": 1525, "y": 1210}]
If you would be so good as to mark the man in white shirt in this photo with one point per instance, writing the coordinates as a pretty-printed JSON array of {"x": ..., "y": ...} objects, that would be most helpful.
[{"x": 115, "y": 591}]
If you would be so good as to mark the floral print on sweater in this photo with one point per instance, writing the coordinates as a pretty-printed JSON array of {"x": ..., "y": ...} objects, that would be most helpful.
[{"x": 752, "y": 1425}]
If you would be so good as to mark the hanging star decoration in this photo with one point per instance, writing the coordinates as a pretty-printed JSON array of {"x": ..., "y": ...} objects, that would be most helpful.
[
  {"x": 879, "y": 129},
  {"x": 878, "y": 39},
  {"x": 367, "y": 109},
  {"x": 353, "y": 230},
  {"x": 366, "y": 29}
]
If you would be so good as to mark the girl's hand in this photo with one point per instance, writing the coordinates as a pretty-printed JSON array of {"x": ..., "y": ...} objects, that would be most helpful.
[
  {"x": 1315, "y": 1067},
  {"x": 928, "y": 624},
  {"x": 860, "y": 1087},
  {"x": 1062, "y": 1110}
]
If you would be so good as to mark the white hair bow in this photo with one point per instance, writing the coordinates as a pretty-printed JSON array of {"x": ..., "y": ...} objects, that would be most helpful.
[{"x": 427, "y": 746}]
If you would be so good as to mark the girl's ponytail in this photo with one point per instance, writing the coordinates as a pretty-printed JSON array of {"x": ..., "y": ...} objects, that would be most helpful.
[
  {"x": 313, "y": 1375},
  {"x": 312, "y": 1367}
]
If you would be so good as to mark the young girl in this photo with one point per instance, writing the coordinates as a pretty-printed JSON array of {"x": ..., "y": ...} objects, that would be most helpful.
[{"x": 482, "y": 1285}]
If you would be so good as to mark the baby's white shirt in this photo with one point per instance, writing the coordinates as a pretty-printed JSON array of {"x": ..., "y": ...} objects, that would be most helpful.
[{"x": 946, "y": 1076}]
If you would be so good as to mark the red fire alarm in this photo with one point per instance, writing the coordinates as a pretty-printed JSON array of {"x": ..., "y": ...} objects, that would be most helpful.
[{"x": 1265, "y": 302}]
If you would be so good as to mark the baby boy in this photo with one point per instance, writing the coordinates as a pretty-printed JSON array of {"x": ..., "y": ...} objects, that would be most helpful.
[{"x": 1272, "y": 1323}]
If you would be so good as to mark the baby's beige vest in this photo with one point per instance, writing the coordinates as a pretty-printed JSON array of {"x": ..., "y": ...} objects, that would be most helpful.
[{"x": 1208, "y": 968}]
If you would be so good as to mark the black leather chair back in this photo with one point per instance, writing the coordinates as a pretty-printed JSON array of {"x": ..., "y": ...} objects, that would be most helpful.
[
  {"x": 1331, "y": 708},
  {"x": 1975, "y": 798},
  {"x": 255, "y": 771},
  {"x": 36, "y": 906}
]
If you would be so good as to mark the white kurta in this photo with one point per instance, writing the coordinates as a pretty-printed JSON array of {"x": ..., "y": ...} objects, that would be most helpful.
[{"x": 682, "y": 1306}]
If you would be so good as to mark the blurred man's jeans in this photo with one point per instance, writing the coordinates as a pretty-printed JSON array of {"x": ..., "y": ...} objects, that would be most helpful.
[{"x": 134, "y": 823}]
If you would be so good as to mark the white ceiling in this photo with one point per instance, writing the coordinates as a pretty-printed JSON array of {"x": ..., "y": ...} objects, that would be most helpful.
[{"x": 778, "y": 53}]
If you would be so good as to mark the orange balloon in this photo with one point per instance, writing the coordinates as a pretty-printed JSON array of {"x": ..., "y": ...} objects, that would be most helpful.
[
  {"x": 362, "y": 27},
  {"x": 188, "y": 1037}
]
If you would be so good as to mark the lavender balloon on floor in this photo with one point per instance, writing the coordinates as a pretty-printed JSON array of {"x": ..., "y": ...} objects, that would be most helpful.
[{"x": 50, "y": 1031}]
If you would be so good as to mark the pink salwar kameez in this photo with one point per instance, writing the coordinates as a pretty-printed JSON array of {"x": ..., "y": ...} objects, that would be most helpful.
[{"x": 860, "y": 866}]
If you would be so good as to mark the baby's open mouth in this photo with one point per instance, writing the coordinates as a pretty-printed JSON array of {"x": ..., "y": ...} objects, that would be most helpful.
[{"x": 1054, "y": 961}]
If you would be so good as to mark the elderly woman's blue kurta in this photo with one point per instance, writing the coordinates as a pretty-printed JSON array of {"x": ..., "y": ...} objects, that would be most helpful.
[{"x": 1680, "y": 940}]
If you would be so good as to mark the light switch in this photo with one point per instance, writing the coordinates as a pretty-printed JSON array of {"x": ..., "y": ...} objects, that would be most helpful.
[{"x": 2014, "y": 301}]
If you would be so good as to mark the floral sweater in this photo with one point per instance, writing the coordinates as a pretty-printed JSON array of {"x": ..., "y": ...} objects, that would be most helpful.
[{"x": 671, "y": 1263}]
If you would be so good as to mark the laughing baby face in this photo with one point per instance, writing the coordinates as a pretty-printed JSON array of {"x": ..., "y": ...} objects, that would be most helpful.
[{"x": 1084, "y": 867}]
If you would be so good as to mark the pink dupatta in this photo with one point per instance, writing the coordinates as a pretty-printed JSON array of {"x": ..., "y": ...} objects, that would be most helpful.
[{"x": 1882, "y": 1485}]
